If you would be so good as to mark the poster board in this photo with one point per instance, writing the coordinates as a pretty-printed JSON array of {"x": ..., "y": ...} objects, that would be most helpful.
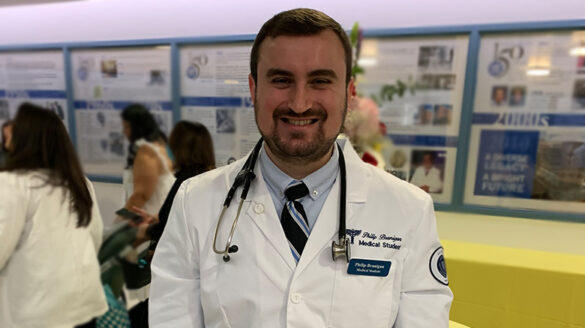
[
  {"x": 527, "y": 145},
  {"x": 105, "y": 81},
  {"x": 36, "y": 77},
  {"x": 215, "y": 92},
  {"x": 422, "y": 125}
]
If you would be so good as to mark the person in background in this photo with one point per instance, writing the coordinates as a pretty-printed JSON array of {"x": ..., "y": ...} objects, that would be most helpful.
[
  {"x": 6, "y": 137},
  {"x": 192, "y": 148},
  {"x": 147, "y": 180},
  {"x": 148, "y": 177},
  {"x": 50, "y": 229},
  {"x": 427, "y": 176}
]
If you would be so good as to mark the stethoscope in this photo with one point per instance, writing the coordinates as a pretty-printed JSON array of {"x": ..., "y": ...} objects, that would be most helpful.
[{"x": 339, "y": 249}]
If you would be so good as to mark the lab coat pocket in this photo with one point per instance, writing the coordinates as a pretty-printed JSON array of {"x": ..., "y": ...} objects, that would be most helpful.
[{"x": 366, "y": 298}]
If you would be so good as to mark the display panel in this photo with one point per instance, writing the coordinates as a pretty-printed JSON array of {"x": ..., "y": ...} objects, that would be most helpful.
[
  {"x": 105, "y": 81},
  {"x": 423, "y": 123},
  {"x": 527, "y": 145},
  {"x": 215, "y": 92},
  {"x": 36, "y": 77}
]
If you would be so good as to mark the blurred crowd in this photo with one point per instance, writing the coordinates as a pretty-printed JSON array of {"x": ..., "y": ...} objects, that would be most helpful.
[{"x": 52, "y": 246}]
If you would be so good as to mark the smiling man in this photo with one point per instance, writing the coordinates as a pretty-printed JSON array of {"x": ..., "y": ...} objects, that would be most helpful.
[{"x": 307, "y": 184}]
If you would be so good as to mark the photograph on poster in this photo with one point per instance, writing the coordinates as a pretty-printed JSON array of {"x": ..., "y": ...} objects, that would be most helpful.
[
  {"x": 101, "y": 118},
  {"x": 225, "y": 120},
  {"x": 116, "y": 143},
  {"x": 436, "y": 81},
  {"x": 109, "y": 68},
  {"x": 425, "y": 115},
  {"x": 398, "y": 159},
  {"x": 506, "y": 161},
  {"x": 499, "y": 95},
  {"x": 579, "y": 94},
  {"x": 517, "y": 96},
  {"x": 560, "y": 168},
  {"x": 435, "y": 58},
  {"x": 443, "y": 114},
  {"x": 427, "y": 170},
  {"x": 157, "y": 77}
]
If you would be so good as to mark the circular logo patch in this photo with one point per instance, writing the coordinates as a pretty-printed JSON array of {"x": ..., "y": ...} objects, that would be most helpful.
[
  {"x": 193, "y": 71},
  {"x": 496, "y": 68},
  {"x": 438, "y": 267}
]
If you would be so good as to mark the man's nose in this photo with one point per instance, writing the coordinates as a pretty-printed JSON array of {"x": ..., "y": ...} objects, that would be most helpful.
[{"x": 300, "y": 99}]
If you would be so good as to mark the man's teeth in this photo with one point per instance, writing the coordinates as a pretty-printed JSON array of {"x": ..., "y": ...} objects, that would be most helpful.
[{"x": 299, "y": 122}]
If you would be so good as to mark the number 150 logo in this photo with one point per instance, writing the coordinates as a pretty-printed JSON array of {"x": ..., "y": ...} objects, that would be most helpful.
[{"x": 502, "y": 57}]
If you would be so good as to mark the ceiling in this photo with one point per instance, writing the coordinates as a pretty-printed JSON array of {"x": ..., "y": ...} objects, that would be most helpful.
[{"x": 11, "y": 3}]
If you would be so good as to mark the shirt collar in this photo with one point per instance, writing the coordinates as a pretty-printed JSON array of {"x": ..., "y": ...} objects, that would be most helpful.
[{"x": 317, "y": 182}]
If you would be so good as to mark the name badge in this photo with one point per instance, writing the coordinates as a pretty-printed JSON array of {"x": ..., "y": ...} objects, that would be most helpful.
[{"x": 369, "y": 267}]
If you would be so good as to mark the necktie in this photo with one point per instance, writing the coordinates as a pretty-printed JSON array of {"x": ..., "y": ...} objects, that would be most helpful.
[{"x": 294, "y": 219}]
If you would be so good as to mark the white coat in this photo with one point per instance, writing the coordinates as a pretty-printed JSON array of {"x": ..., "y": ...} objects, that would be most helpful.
[
  {"x": 262, "y": 287},
  {"x": 49, "y": 272}
]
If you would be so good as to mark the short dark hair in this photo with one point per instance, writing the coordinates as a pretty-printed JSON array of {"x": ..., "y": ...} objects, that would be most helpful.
[
  {"x": 40, "y": 141},
  {"x": 192, "y": 146},
  {"x": 299, "y": 22}
]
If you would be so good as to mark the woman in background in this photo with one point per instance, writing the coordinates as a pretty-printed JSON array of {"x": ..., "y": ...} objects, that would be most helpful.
[
  {"x": 6, "y": 136},
  {"x": 192, "y": 149},
  {"x": 148, "y": 177},
  {"x": 50, "y": 229}
]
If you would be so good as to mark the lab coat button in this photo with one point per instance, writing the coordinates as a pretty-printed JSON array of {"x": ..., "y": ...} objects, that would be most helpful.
[
  {"x": 259, "y": 208},
  {"x": 295, "y": 298},
  {"x": 315, "y": 193}
]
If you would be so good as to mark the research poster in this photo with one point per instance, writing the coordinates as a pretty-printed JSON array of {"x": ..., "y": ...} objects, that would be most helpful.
[
  {"x": 105, "y": 81},
  {"x": 215, "y": 92},
  {"x": 527, "y": 145},
  {"x": 423, "y": 123},
  {"x": 36, "y": 77}
]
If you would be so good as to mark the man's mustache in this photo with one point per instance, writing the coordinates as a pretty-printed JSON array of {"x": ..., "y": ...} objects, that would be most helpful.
[{"x": 309, "y": 113}]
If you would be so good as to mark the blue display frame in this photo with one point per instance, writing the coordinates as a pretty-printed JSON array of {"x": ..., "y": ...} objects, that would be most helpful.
[{"x": 473, "y": 32}]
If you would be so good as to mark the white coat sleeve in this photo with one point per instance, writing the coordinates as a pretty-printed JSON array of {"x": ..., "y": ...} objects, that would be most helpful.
[
  {"x": 96, "y": 225},
  {"x": 13, "y": 207},
  {"x": 175, "y": 287},
  {"x": 424, "y": 299}
]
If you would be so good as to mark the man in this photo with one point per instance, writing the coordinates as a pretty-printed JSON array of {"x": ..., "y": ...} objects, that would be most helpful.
[
  {"x": 283, "y": 274},
  {"x": 426, "y": 176}
]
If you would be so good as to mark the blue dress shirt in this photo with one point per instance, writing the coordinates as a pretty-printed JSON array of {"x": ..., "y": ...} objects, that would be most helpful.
[{"x": 319, "y": 184}]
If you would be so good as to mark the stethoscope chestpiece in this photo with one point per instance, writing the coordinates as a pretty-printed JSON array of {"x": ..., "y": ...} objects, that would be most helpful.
[
  {"x": 341, "y": 249},
  {"x": 232, "y": 249}
]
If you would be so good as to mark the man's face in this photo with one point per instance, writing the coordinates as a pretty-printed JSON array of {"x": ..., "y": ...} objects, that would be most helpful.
[
  {"x": 500, "y": 95},
  {"x": 300, "y": 97},
  {"x": 427, "y": 161}
]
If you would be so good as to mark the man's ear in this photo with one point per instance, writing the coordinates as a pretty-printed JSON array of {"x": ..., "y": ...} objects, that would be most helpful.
[
  {"x": 252, "y": 86},
  {"x": 351, "y": 90}
]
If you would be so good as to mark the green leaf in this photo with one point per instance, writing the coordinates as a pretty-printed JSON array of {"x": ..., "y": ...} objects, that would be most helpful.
[{"x": 353, "y": 36}]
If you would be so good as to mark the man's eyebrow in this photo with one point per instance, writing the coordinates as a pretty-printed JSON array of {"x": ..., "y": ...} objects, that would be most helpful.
[
  {"x": 319, "y": 72},
  {"x": 323, "y": 72},
  {"x": 277, "y": 71}
]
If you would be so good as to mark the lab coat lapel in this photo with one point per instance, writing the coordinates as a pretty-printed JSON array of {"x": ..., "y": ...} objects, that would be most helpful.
[
  {"x": 262, "y": 212},
  {"x": 327, "y": 226}
]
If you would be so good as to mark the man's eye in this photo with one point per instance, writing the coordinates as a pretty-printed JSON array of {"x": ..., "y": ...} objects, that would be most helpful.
[
  {"x": 321, "y": 82},
  {"x": 281, "y": 80}
]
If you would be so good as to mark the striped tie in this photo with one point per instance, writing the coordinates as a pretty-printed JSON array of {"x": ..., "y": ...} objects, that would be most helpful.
[{"x": 294, "y": 219}]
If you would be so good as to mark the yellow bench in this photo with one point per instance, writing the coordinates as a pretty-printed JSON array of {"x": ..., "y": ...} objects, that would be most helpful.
[{"x": 514, "y": 288}]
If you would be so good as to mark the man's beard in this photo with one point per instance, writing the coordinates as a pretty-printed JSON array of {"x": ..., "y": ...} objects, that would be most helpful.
[{"x": 311, "y": 150}]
